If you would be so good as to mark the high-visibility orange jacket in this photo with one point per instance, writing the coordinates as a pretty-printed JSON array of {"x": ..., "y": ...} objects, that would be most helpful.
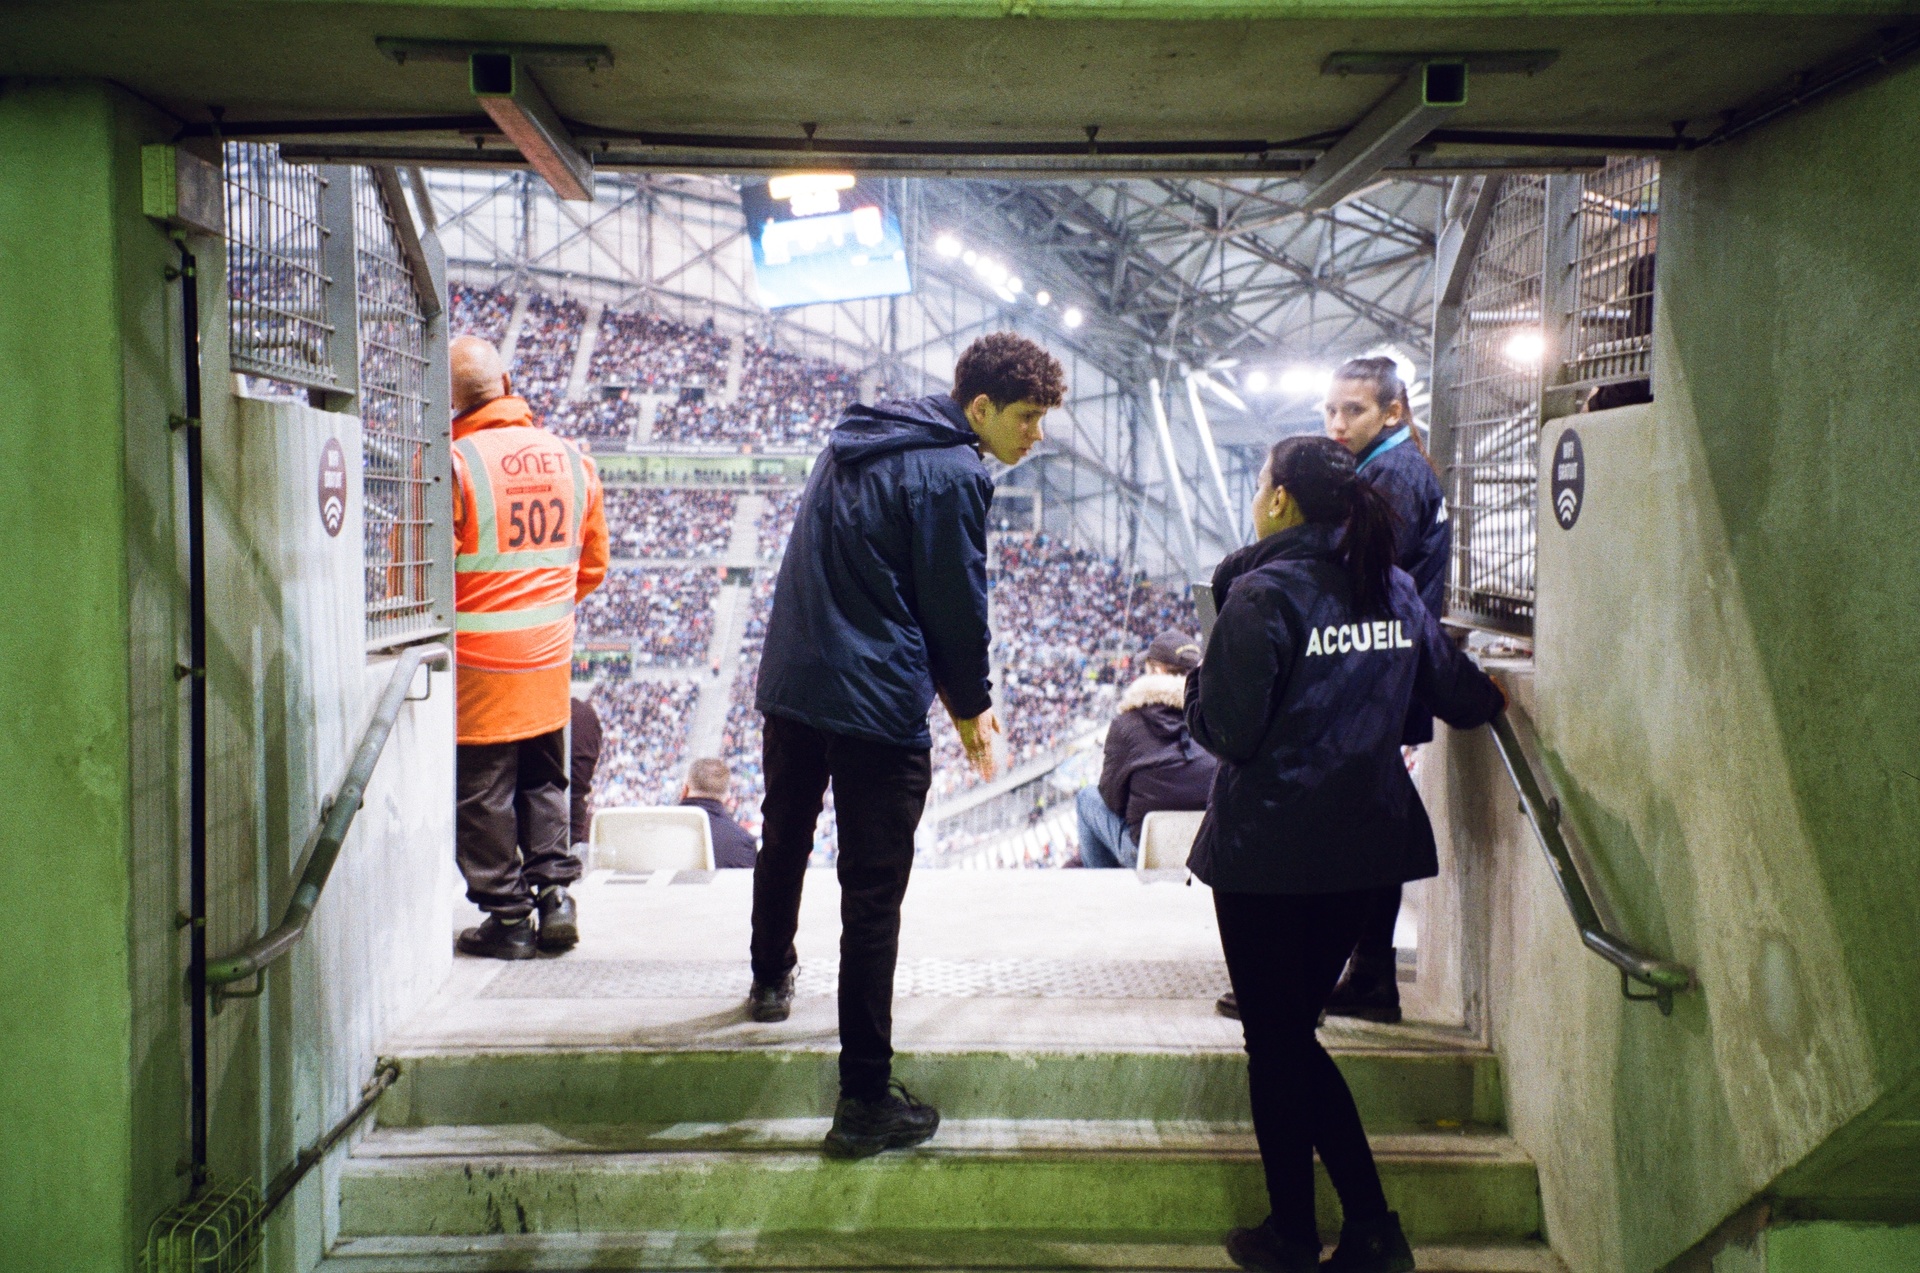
[{"x": 530, "y": 540}]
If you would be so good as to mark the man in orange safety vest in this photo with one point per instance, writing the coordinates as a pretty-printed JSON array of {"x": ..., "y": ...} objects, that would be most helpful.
[{"x": 530, "y": 541}]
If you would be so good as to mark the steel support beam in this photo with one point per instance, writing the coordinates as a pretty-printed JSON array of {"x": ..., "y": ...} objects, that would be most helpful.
[
  {"x": 1429, "y": 94},
  {"x": 1212, "y": 452},
  {"x": 507, "y": 92},
  {"x": 1176, "y": 481}
]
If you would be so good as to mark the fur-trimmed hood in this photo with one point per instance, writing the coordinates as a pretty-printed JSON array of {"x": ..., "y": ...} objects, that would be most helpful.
[{"x": 1155, "y": 689}]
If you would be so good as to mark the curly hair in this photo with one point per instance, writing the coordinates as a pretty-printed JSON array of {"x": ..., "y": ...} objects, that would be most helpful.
[{"x": 1008, "y": 368}]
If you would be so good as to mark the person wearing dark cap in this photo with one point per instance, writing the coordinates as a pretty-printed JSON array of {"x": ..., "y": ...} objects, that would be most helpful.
[
  {"x": 1151, "y": 761},
  {"x": 1321, "y": 645}
]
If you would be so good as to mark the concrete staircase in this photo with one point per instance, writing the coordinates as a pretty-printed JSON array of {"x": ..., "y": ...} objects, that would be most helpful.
[{"x": 627, "y": 1159}]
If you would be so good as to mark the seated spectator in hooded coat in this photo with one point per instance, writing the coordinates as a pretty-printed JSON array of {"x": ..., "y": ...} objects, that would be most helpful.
[
  {"x": 1152, "y": 762},
  {"x": 707, "y": 782}
]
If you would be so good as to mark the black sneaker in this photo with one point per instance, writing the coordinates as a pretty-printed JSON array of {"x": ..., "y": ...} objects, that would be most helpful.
[
  {"x": 559, "y": 924},
  {"x": 1228, "y": 1006},
  {"x": 1372, "y": 1246},
  {"x": 1367, "y": 991},
  {"x": 1267, "y": 1251},
  {"x": 496, "y": 939},
  {"x": 862, "y": 1129},
  {"x": 771, "y": 1001}
]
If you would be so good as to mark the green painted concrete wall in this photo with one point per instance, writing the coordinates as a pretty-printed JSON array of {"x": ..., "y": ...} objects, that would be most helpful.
[
  {"x": 1843, "y": 1248},
  {"x": 1727, "y": 664},
  {"x": 76, "y": 261}
]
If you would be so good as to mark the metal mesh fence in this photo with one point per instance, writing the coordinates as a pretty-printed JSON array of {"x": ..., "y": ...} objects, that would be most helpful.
[
  {"x": 1496, "y": 404},
  {"x": 276, "y": 282},
  {"x": 393, "y": 415},
  {"x": 1618, "y": 225}
]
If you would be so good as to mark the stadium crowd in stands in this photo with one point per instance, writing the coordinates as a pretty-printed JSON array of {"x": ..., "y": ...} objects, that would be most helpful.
[
  {"x": 645, "y": 521},
  {"x": 783, "y": 400},
  {"x": 776, "y": 523},
  {"x": 480, "y": 311},
  {"x": 644, "y": 735},
  {"x": 648, "y": 351},
  {"x": 668, "y": 613}
]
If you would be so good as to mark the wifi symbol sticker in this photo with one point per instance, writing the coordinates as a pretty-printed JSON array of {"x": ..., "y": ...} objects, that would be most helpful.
[{"x": 1569, "y": 479}]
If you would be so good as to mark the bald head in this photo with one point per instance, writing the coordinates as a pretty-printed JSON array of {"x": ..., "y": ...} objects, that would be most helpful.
[{"x": 476, "y": 371}]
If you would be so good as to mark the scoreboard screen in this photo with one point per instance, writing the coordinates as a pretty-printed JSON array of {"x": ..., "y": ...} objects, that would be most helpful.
[{"x": 820, "y": 237}]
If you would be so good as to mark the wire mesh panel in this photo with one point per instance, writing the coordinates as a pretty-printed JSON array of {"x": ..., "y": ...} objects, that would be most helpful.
[
  {"x": 1496, "y": 406},
  {"x": 1618, "y": 229},
  {"x": 393, "y": 415},
  {"x": 276, "y": 281}
]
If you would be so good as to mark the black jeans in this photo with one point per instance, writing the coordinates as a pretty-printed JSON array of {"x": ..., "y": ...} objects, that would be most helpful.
[
  {"x": 510, "y": 821},
  {"x": 1284, "y": 953},
  {"x": 878, "y": 794}
]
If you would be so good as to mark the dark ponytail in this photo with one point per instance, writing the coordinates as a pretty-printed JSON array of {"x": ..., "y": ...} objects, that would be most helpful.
[
  {"x": 1367, "y": 548},
  {"x": 1319, "y": 474}
]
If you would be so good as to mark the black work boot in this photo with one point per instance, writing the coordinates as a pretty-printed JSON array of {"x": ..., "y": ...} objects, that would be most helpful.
[
  {"x": 1227, "y": 1005},
  {"x": 862, "y": 1129},
  {"x": 771, "y": 1001},
  {"x": 498, "y": 939},
  {"x": 1369, "y": 991},
  {"x": 559, "y": 925},
  {"x": 1372, "y": 1246},
  {"x": 1264, "y": 1250}
]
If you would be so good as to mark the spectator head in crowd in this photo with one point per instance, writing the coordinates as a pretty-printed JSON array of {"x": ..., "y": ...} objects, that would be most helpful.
[
  {"x": 1006, "y": 384},
  {"x": 706, "y": 788},
  {"x": 1151, "y": 762}
]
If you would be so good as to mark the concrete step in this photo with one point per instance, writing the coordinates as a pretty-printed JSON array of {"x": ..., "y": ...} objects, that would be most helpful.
[
  {"x": 1131, "y": 1179},
  {"x": 1397, "y": 1090},
  {"x": 823, "y": 1253}
]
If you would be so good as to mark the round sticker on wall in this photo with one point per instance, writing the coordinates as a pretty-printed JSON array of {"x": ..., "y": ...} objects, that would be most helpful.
[
  {"x": 1569, "y": 479},
  {"x": 333, "y": 486}
]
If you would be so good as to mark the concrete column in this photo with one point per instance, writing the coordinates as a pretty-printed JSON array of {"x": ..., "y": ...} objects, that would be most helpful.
[{"x": 92, "y": 1096}]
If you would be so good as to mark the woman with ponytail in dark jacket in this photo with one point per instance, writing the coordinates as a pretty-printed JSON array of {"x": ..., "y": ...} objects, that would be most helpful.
[{"x": 1320, "y": 645}]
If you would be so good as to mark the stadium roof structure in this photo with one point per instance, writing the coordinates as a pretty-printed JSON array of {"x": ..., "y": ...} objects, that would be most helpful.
[{"x": 1212, "y": 305}]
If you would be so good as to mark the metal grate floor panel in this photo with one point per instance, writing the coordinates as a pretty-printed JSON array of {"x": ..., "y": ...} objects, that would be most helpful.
[{"x": 915, "y": 979}]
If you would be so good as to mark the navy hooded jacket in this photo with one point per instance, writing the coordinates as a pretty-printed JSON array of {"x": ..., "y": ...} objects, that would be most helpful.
[
  {"x": 882, "y": 595},
  {"x": 1303, "y": 700},
  {"x": 1423, "y": 538}
]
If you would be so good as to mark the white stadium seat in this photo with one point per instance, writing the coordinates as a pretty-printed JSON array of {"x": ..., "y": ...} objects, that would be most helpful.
[
  {"x": 652, "y": 838},
  {"x": 1166, "y": 838}
]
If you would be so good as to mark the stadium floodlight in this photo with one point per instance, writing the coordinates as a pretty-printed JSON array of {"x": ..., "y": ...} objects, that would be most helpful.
[
  {"x": 1257, "y": 382},
  {"x": 1073, "y": 317},
  {"x": 1303, "y": 382},
  {"x": 509, "y": 96},
  {"x": 947, "y": 245},
  {"x": 969, "y": 256},
  {"x": 1043, "y": 297},
  {"x": 1014, "y": 284},
  {"x": 1526, "y": 347}
]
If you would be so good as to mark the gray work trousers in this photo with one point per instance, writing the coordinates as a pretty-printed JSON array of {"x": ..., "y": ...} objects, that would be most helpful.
[{"x": 510, "y": 822}]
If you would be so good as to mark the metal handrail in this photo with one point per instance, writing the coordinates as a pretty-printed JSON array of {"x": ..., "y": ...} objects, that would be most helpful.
[
  {"x": 1664, "y": 977},
  {"x": 335, "y": 819}
]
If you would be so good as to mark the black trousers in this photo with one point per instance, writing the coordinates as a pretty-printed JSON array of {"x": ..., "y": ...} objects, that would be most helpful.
[
  {"x": 1374, "y": 949},
  {"x": 1284, "y": 953},
  {"x": 879, "y": 792},
  {"x": 510, "y": 821}
]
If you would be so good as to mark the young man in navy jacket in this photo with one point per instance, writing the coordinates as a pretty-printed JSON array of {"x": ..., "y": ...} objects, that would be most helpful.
[{"x": 880, "y": 606}]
